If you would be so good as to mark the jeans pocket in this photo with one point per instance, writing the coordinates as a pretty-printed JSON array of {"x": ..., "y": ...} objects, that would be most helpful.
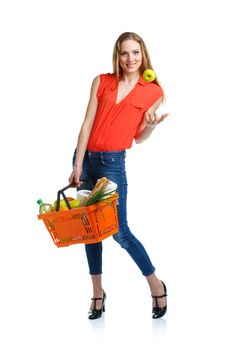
[{"x": 109, "y": 160}]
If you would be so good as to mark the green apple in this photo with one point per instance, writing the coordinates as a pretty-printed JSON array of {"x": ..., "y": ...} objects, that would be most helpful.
[{"x": 149, "y": 75}]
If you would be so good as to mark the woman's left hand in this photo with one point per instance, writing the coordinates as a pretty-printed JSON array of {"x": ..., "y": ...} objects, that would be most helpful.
[{"x": 152, "y": 119}]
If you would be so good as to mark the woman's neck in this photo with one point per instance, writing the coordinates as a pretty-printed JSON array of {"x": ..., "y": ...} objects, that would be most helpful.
[{"x": 130, "y": 79}]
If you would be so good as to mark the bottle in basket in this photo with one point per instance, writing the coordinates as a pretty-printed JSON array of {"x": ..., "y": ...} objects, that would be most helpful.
[{"x": 44, "y": 207}]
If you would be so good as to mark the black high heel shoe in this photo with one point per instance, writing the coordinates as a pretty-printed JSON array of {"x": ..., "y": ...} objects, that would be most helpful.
[
  {"x": 158, "y": 312},
  {"x": 97, "y": 313}
]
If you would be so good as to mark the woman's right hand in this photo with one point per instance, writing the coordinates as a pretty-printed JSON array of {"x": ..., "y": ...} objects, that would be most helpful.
[{"x": 75, "y": 177}]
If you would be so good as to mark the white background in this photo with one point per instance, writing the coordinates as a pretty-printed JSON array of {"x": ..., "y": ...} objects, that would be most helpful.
[{"x": 188, "y": 184}]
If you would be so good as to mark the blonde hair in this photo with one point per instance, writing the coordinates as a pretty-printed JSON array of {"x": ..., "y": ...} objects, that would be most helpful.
[{"x": 146, "y": 63}]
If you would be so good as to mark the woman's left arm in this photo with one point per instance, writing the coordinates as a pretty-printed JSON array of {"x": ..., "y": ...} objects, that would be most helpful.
[{"x": 149, "y": 122}]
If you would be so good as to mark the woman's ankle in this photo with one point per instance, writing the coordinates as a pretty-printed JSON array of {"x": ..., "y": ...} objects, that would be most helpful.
[
  {"x": 97, "y": 286},
  {"x": 155, "y": 284}
]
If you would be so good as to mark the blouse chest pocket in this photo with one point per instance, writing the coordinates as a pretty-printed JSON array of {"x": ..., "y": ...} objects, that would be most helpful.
[{"x": 137, "y": 104}]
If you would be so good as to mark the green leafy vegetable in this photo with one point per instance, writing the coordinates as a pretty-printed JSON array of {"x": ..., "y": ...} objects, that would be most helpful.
[{"x": 99, "y": 196}]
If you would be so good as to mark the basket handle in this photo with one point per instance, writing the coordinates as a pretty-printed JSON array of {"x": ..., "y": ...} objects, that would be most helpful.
[{"x": 61, "y": 193}]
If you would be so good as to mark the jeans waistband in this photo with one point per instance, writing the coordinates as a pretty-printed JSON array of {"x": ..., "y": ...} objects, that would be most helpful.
[{"x": 111, "y": 153}]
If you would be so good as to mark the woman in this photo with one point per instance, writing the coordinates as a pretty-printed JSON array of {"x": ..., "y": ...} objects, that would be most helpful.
[{"x": 121, "y": 108}]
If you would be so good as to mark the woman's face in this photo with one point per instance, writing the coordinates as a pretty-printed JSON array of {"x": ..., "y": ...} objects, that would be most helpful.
[{"x": 130, "y": 58}]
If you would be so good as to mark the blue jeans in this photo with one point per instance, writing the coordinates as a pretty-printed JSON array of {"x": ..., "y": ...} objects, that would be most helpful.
[{"x": 112, "y": 165}]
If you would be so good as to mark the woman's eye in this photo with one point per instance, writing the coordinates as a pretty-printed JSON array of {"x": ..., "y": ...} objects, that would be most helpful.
[{"x": 136, "y": 52}]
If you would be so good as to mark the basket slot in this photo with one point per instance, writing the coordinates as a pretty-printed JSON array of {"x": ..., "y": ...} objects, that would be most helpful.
[
  {"x": 50, "y": 224},
  {"x": 86, "y": 223}
]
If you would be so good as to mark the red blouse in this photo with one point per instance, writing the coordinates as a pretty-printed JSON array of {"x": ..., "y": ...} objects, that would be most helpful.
[{"x": 115, "y": 124}]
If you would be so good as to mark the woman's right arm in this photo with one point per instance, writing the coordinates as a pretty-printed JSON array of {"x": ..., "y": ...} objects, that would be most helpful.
[{"x": 85, "y": 132}]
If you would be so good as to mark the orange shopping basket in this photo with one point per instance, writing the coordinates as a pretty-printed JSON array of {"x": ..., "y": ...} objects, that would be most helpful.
[{"x": 86, "y": 225}]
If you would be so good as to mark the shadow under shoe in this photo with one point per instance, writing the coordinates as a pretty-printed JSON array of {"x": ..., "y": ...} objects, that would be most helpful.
[
  {"x": 97, "y": 313},
  {"x": 157, "y": 311}
]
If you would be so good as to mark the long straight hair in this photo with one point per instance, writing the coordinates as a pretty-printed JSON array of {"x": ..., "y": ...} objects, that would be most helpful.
[{"x": 146, "y": 63}]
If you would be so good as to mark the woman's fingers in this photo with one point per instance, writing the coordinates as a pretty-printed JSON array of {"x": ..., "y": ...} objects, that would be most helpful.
[
  {"x": 165, "y": 115},
  {"x": 75, "y": 178},
  {"x": 70, "y": 180},
  {"x": 147, "y": 117},
  {"x": 152, "y": 118}
]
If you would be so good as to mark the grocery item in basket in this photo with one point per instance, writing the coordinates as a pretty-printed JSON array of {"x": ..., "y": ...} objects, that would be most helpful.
[
  {"x": 112, "y": 186},
  {"x": 62, "y": 202},
  {"x": 101, "y": 185},
  {"x": 74, "y": 203},
  {"x": 83, "y": 195},
  {"x": 99, "y": 193},
  {"x": 44, "y": 207}
]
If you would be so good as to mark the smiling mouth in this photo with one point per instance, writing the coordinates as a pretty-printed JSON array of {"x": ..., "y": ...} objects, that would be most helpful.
[{"x": 131, "y": 65}]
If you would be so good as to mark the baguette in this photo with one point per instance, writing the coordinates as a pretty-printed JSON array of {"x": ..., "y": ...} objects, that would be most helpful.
[{"x": 100, "y": 186}]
